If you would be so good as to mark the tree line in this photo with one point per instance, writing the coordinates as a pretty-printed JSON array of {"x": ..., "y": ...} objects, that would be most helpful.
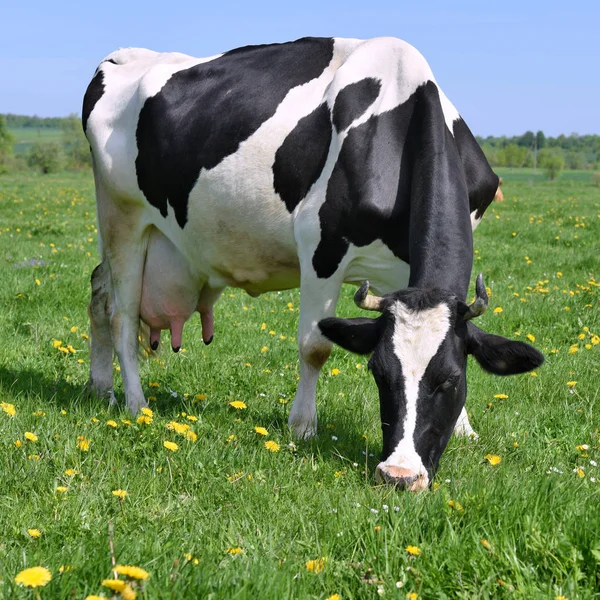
[
  {"x": 551, "y": 154},
  {"x": 535, "y": 149}
]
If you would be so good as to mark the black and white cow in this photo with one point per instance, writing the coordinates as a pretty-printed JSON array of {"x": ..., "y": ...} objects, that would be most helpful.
[{"x": 310, "y": 163}]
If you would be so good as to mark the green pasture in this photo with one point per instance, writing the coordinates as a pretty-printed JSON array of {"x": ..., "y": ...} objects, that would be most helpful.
[
  {"x": 224, "y": 516},
  {"x": 26, "y": 136},
  {"x": 531, "y": 176}
]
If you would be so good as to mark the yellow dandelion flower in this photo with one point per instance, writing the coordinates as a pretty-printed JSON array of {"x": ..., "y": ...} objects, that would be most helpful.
[
  {"x": 83, "y": 443},
  {"x": 94, "y": 597},
  {"x": 132, "y": 572},
  {"x": 580, "y": 472},
  {"x": 238, "y": 405},
  {"x": 261, "y": 431},
  {"x": 191, "y": 418},
  {"x": 71, "y": 472},
  {"x": 18, "y": 443},
  {"x": 128, "y": 593},
  {"x": 335, "y": 372},
  {"x": 9, "y": 409},
  {"x": 573, "y": 349},
  {"x": 190, "y": 435},
  {"x": 501, "y": 396},
  {"x": 116, "y": 585},
  {"x": 571, "y": 383},
  {"x": 412, "y": 596},
  {"x": 112, "y": 424},
  {"x": 561, "y": 598},
  {"x": 61, "y": 489},
  {"x": 595, "y": 340},
  {"x": 485, "y": 544},
  {"x": 533, "y": 374},
  {"x": 180, "y": 428},
  {"x": 231, "y": 438},
  {"x": 263, "y": 327},
  {"x": 234, "y": 551},
  {"x": 414, "y": 550},
  {"x": 56, "y": 343},
  {"x": 200, "y": 396},
  {"x": 74, "y": 329},
  {"x": 31, "y": 437},
  {"x": 498, "y": 309},
  {"x": 144, "y": 420},
  {"x": 264, "y": 349},
  {"x": 172, "y": 446},
  {"x": 34, "y": 577},
  {"x": 316, "y": 565},
  {"x": 34, "y": 533},
  {"x": 530, "y": 337},
  {"x": 493, "y": 459},
  {"x": 333, "y": 597},
  {"x": 120, "y": 494},
  {"x": 147, "y": 411},
  {"x": 272, "y": 446},
  {"x": 154, "y": 384}
]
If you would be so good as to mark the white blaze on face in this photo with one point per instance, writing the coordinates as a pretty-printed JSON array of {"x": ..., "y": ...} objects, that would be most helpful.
[{"x": 417, "y": 338}]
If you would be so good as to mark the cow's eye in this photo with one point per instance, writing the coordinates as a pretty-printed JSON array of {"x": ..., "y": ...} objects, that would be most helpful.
[{"x": 450, "y": 383}]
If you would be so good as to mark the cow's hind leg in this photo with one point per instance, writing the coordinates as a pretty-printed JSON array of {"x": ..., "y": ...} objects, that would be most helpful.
[
  {"x": 101, "y": 363},
  {"x": 317, "y": 301},
  {"x": 463, "y": 427}
]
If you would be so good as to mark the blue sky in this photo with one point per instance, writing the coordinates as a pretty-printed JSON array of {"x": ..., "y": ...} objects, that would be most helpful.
[{"x": 507, "y": 66}]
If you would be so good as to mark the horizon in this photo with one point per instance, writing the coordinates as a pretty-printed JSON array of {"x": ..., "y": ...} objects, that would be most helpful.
[{"x": 508, "y": 69}]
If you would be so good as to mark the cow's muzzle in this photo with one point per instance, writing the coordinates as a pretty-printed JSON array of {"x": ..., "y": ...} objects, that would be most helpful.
[{"x": 402, "y": 478}]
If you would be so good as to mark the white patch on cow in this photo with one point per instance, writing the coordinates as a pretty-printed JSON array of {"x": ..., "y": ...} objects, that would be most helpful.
[
  {"x": 463, "y": 427},
  {"x": 417, "y": 337},
  {"x": 474, "y": 220}
]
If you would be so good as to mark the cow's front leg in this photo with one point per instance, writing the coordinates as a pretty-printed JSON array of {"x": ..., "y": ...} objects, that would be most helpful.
[
  {"x": 101, "y": 361},
  {"x": 126, "y": 262},
  {"x": 318, "y": 298},
  {"x": 463, "y": 427}
]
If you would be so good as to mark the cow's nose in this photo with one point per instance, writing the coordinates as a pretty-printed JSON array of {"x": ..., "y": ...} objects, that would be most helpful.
[{"x": 402, "y": 478}]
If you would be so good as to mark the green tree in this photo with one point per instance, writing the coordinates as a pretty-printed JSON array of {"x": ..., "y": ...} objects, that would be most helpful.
[
  {"x": 76, "y": 146},
  {"x": 46, "y": 156},
  {"x": 527, "y": 139},
  {"x": 541, "y": 140},
  {"x": 6, "y": 145},
  {"x": 552, "y": 162}
]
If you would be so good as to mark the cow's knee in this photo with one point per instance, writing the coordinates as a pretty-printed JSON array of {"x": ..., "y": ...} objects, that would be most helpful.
[{"x": 463, "y": 427}]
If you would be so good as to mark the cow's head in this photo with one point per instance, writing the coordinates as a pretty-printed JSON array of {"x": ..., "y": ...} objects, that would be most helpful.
[{"x": 420, "y": 345}]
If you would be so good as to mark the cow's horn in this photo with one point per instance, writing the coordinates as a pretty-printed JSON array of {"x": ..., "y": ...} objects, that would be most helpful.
[
  {"x": 363, "y": 300},
  {"x": 480, "y": 304}
]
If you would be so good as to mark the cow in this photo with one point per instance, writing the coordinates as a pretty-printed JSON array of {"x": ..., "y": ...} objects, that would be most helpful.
[{"x": 305, "y": 164}]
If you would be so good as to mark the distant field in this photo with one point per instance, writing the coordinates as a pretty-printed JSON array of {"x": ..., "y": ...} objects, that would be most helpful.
[
  {"x": 224, "y": 517},
  {"x": 528, "y": 175},
  {"x": 26, "y": 136}
]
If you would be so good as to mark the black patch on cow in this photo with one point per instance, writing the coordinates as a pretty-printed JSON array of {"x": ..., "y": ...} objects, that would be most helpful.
[
  {"x": 110, "y": 60},
  {"x": 399, "y": 179},
  {"x": 482, "y": 182},
  {"x": 203, "y": 114},
  {"x": 353, "y": 100},
  {"x": 299, "y": 161},
  {"x": 93, "y": 93}
]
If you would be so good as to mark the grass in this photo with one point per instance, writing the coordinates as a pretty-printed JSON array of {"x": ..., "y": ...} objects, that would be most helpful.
[
  {"x": 526, "y": 528},
  {"x": 25, "y": 137},
  {"x": 528, "y": 175}
]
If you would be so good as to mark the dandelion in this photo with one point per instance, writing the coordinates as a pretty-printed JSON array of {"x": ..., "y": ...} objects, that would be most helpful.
[
  {"x": 83, "y": 443},
  {"x": 147, "y": 411},
  {"x": 180, "y": 428},
  {"x": 493, "y": 459},
  {"x": 31, "y": 437},
  {"x": 172, "y": 446},
  {"x": 335, "y": 372},
  {"x": 264, "y": 349},
  {"x": 571, "y": 383},
  {"x": 413, "y": 550},
  {"x": 530, "y": 337},
  {"x": 18, "y": 443},
  {"x": 595, "y": 340},
  {"x": 238, "y": 405},
  {"x": 61, "y": 489},
  {"x": 333, "y": 597},
  {"x": 573, "y": 349},
  {"x": 498, "y": 310},
  {"x": 144, "y": 420},
  {"x": 34, "y": 577},
  {"x": 200, "y": 397},
  {"x": 412, "y": 596},
  {"x": 112, "y": 424},
  {"x": 154, "y": 384},
  {"x": 34, "y": 533},
  {"x": 191, "y": 418},
  {"x": 272, "y": 446},
  {"x": 71, "y": 472},
  {"x": 132, "y": 572},
  {"x": 261, "y": 431},
  {"x": 116, "y": 585},
  {"x": 263, "y": 327},
  {"x": 9, "y": 409},
  {"x": 501, "y": 396},
  {"x": 120, "y": 494},
  {"x": 190, "y": 435},
  {"x": 234, "y": 551},
  {"x": 316, "y": 565},
  {"x": 485, "y": 544}
]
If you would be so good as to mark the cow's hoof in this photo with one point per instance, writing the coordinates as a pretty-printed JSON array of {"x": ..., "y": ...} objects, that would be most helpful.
[
  {"x": 304, "y": 430},
  {"x": 468, "y": 432},
  {"x": 403, "y": 479},
  {"x": 136, "y": 406}
]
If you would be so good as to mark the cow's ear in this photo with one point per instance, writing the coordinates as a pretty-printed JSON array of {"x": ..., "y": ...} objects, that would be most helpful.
[
  {"x": 499, "y": 355},
  {"x": 359, "y": 335}
]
